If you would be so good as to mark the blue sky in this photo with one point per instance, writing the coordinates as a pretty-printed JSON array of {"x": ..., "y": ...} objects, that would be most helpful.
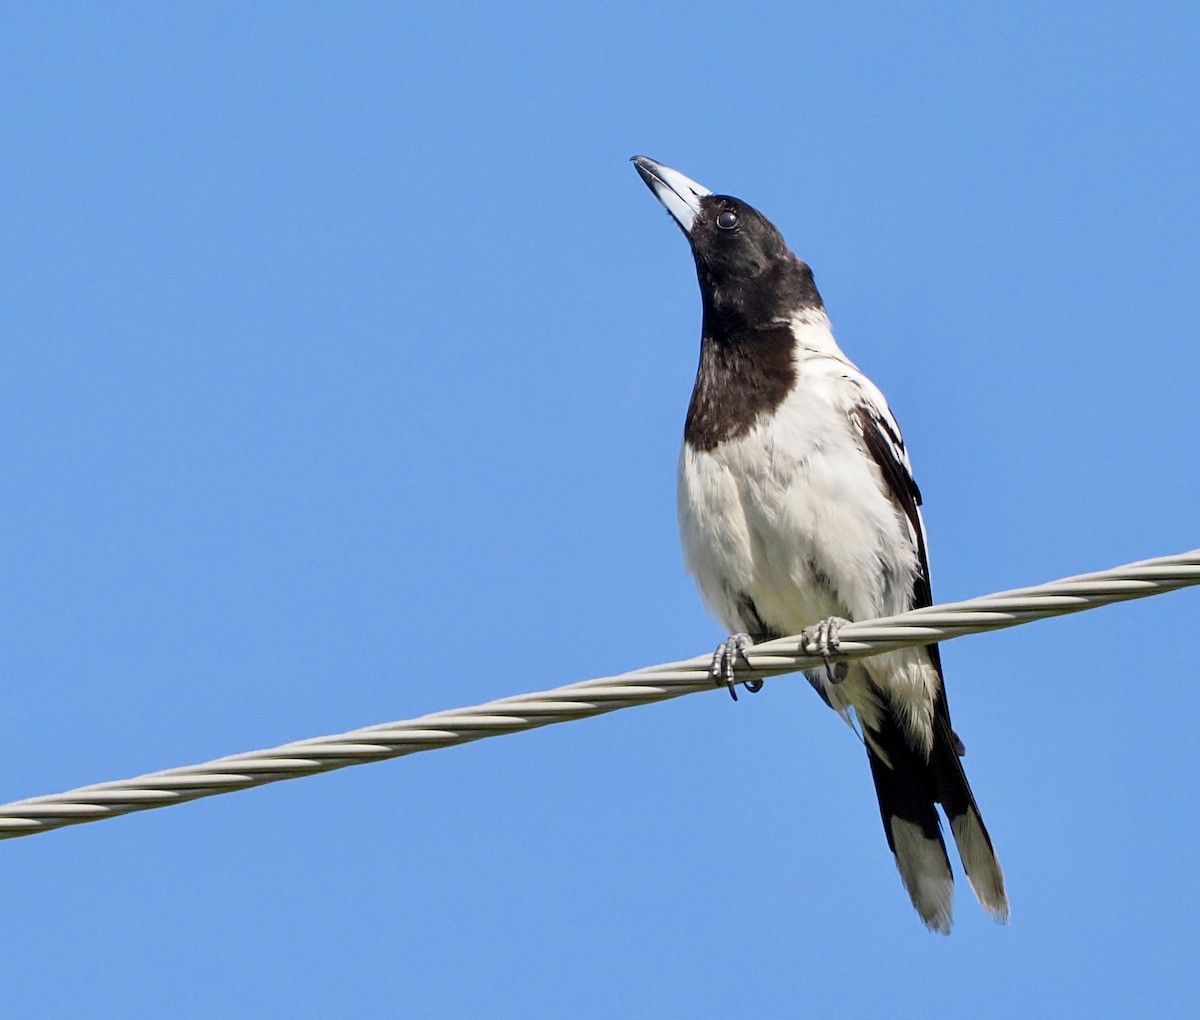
[{"x": 344, "y": 368}]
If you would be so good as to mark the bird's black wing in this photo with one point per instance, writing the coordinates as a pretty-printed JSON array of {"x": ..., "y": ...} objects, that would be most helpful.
[{"x": 883, "y": 442}]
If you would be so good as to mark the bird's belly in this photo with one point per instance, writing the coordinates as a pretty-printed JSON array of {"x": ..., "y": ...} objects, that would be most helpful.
[{"x": 803, "y": 537}]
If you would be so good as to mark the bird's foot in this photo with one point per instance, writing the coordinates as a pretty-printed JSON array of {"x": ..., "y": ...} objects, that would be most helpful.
[
  {"x": 725, "y": 660},
  {"x": 822, "y": 639}
]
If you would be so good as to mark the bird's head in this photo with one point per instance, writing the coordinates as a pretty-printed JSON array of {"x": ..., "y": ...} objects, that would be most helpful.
[{"x": 743, "y": 263}]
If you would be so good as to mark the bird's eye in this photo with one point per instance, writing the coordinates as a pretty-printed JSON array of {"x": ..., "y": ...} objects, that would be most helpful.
[{"x": 727, "y": 219}]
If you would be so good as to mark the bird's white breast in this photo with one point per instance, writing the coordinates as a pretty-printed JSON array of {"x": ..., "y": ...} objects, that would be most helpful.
[{"x": 794, "y": 515}]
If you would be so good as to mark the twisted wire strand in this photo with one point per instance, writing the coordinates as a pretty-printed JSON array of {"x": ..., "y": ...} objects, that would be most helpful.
[{"x": 590, "y": 697}]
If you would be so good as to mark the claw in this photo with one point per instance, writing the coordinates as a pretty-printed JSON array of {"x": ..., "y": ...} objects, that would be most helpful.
[
  {"x": 822, "y": 639},
  {"x": 724, "y": 663}
]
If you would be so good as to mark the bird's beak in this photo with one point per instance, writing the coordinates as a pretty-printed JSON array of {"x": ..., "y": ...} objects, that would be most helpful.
[{"x": 681, "y": 195}]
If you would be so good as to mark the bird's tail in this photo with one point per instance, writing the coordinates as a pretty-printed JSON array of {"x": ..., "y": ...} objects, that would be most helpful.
[
  {"x": 966, "y": 823},
  {"x": 909, "y": 787}
]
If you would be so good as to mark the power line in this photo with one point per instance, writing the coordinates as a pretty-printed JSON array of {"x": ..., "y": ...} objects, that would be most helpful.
[{"x": 591, "y": 697}]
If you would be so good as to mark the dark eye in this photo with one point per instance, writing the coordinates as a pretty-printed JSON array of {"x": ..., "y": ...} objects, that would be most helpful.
[{"x": 727, "y": 219}]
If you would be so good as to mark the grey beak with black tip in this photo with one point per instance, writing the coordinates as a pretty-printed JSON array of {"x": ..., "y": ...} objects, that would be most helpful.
[{"x": 681, "y": 195}]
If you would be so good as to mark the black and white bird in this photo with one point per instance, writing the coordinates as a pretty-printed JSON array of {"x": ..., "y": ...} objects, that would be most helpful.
[{"x": 798, "y": 510}]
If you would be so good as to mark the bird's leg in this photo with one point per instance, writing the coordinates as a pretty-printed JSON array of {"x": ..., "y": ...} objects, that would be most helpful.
[
  {"x": 822, "y": 639},
  {"x": 724, "y": 663}
]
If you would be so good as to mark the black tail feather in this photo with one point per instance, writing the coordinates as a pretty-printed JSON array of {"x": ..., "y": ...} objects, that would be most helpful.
[
  {"x": 909, "y": 787},
  {"x": 904, "y": 785}
]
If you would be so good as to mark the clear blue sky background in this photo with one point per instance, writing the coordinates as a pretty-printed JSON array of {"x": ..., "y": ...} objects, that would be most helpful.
[{"x": 344, "y": 365}]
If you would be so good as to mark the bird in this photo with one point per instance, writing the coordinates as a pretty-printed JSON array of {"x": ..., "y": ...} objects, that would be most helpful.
[{"x": 798, "y": 511}]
